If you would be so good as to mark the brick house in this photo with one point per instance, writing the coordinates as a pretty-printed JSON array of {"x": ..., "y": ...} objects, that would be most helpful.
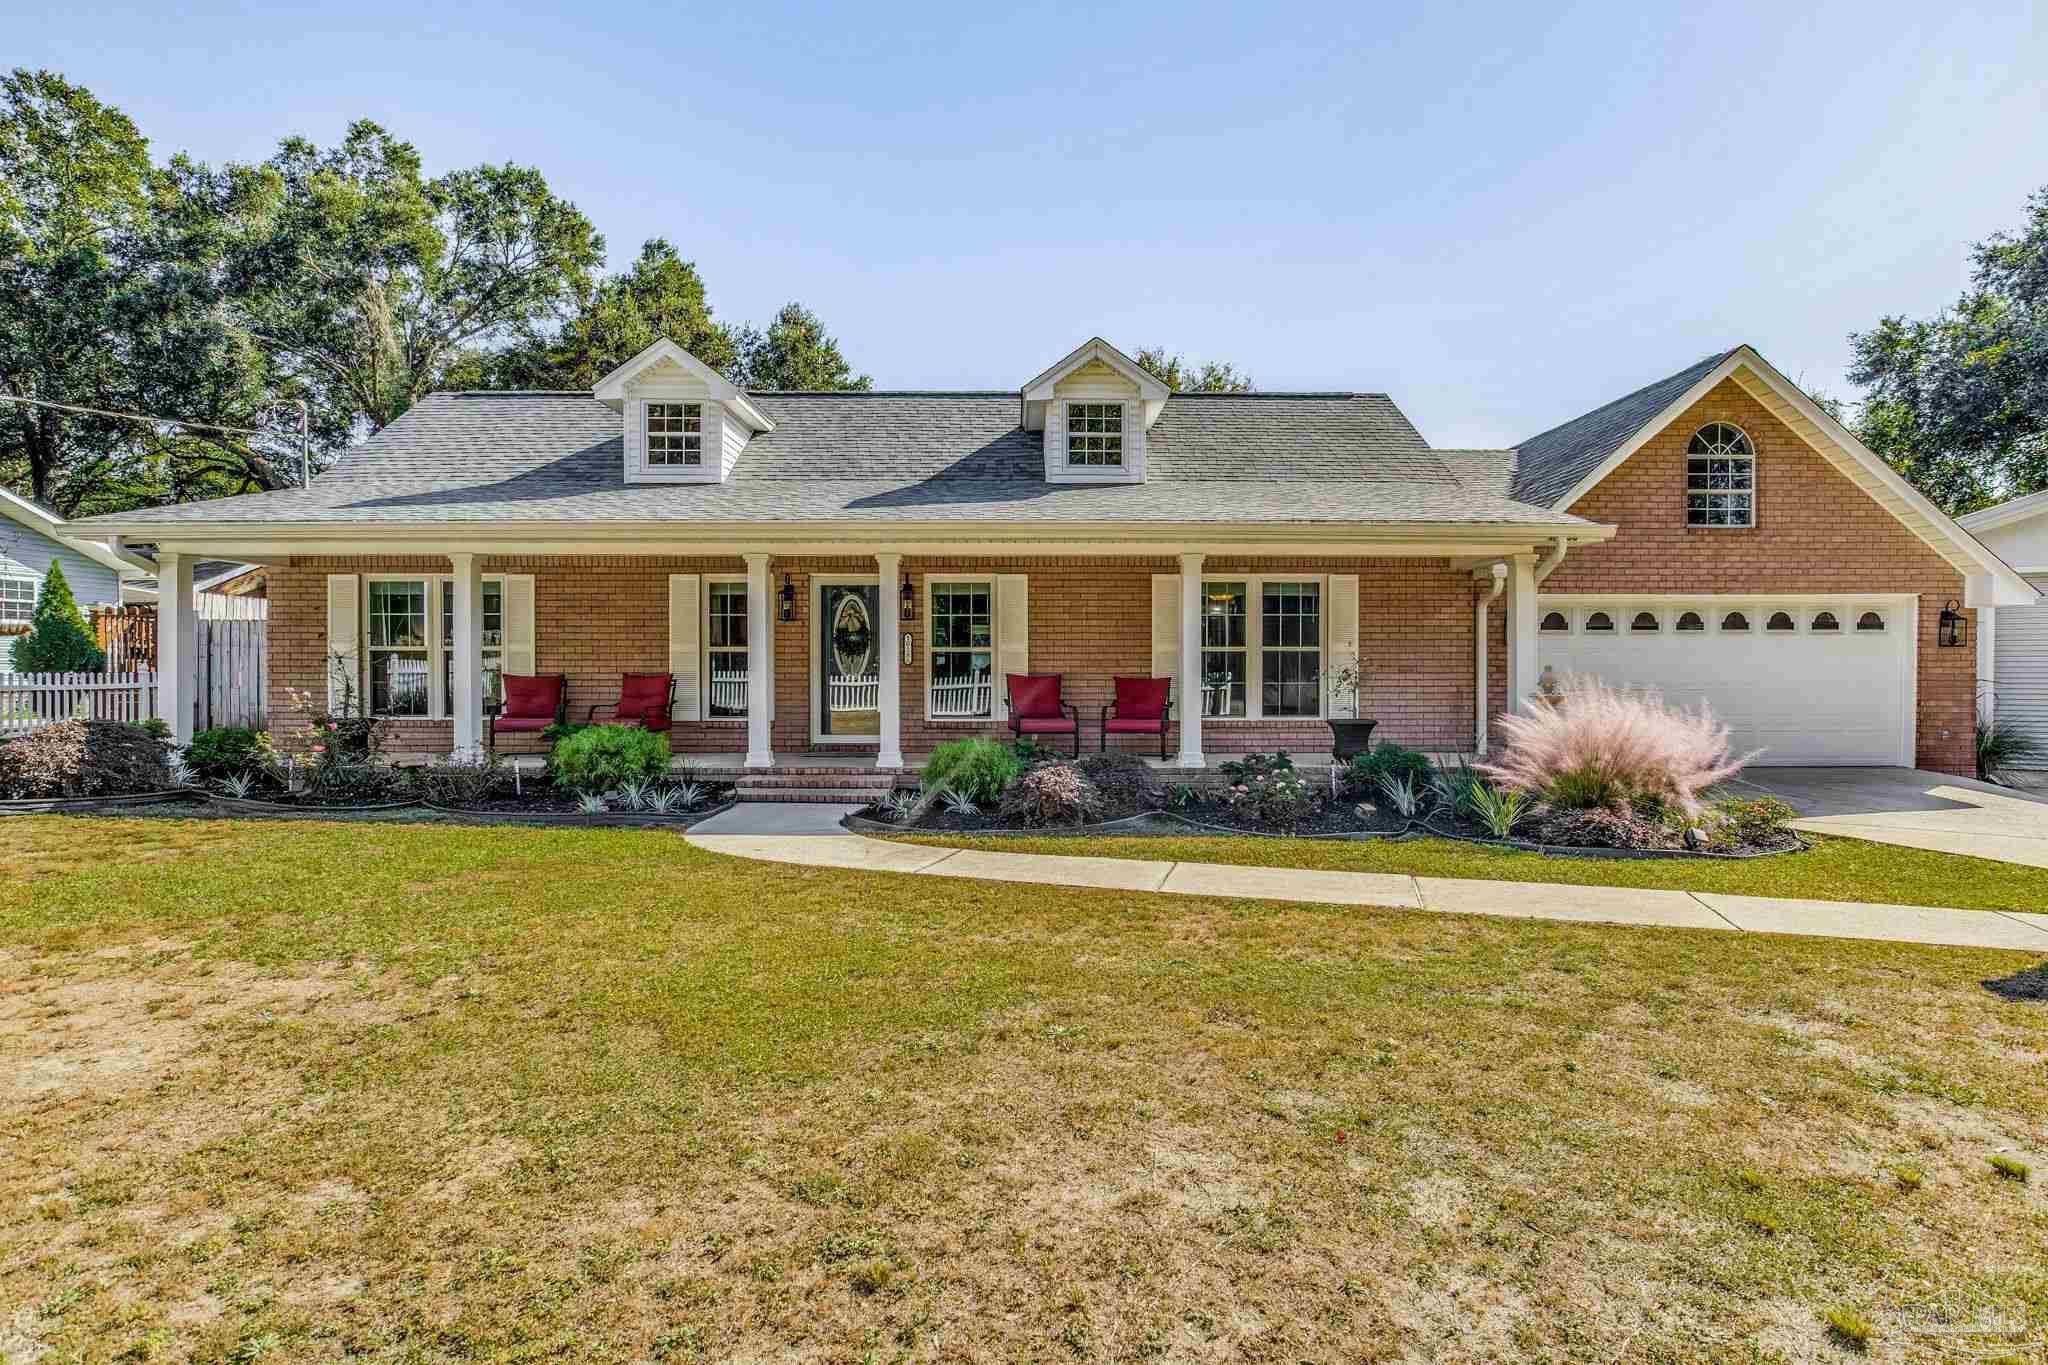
[{"x": 854, "y": 574}]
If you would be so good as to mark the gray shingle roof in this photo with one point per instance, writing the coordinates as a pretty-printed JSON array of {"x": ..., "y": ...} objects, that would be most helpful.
[
  {"x": 1552, "y": 464},
  {"x": 536, "y": 457}
]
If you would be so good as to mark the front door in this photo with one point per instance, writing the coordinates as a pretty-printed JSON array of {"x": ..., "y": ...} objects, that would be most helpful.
[{"x": 849, "y": 663}]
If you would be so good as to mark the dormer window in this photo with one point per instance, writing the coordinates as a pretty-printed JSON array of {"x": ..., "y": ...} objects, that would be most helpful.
[
  {"x": 675, "y": 434},
  {"x": 1095, "y": 435}
]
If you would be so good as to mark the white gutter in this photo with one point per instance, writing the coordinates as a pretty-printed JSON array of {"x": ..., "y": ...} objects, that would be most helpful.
[
  {"x": 1552, "y": 560},
  {"x": 1499, "y": 574}
]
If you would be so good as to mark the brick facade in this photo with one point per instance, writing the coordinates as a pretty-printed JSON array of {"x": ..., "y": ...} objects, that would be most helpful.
[
  {"x": 595, "y": 617},
  {"x": 1816, "y": 532}
]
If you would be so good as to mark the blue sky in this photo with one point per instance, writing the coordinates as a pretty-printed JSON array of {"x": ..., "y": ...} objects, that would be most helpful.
[{"x": 1498, "y": 214}]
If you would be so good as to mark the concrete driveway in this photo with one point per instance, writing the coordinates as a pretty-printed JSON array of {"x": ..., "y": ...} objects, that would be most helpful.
[{"x": 1917, "y": 809}]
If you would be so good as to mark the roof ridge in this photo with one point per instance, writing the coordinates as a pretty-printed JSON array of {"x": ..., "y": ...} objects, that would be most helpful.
[{"x": 1704, "y": 362}]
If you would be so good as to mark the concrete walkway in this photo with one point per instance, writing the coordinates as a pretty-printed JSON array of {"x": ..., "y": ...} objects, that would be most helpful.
[
  {"x": 1916, "y": 809},
  {"x": 812, "y": 837}
]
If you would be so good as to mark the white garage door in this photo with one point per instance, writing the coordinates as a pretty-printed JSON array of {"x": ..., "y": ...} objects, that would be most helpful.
[
  {"x": 2021, "y": 643},
  {"x": 1815, "y": 681}
]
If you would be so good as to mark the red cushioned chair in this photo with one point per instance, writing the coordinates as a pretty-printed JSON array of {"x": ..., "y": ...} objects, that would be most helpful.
[
  {"x": 1036, "y": 708},
  {"x": 647, "y": 699},
  {"x": 1142, "y": 707},
  {"x": 532, "y": 703}
]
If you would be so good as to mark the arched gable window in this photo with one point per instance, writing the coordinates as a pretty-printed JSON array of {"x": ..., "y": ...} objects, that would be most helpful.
[{"x": 1720, "y": 477}]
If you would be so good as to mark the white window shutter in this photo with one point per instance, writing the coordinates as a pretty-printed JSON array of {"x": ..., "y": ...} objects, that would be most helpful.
[
  {"x": 344, "y": 643},
  {"x": 684, "y": 616},
  {"x": 516, "y": 603},
  {"x": 636, "y": 437},
  {"x": 1013, "y": 634},
  {"x": 1340, "y": 613},
  {"x": 1166, "y": 629}
]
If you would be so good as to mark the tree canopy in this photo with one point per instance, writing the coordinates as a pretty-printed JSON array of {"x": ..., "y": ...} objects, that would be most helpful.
[
  {"x": 1958, "y": 402},
  {"x": 1183, "y": 376},
  {"x": 793, "y": 352}
]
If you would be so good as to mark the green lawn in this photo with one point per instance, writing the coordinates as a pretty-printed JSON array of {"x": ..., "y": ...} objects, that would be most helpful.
[
  {"x": 296, "y": 1091},
  {"x": 1834, "y": 869}
]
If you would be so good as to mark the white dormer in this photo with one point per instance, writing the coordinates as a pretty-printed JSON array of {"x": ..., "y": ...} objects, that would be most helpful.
[
  {"x": 684, "y": 421},
  {"x": 1095, "y": 407}
]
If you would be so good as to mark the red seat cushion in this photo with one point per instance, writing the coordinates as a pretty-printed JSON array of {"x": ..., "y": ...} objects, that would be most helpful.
[
  {"x": 644, "y": 696},
  {"x": 531, "y": 697},
  {"x": 1142, "y": 698},
  {"x": 1035, "y": 695},
  {"x": 1136, "y": 725},
  {"x": 524, "y": 724},
  {"x": 1046, "y": 725}
]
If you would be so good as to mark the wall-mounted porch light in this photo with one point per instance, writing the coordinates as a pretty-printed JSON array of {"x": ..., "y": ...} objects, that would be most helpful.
[
  {"x": 909, "y": 601},
  {"x": 788, "y": 596},
  {"x": 1955, "y": 627}
]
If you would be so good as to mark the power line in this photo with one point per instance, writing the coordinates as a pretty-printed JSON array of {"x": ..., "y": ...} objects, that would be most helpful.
[{"x": 134, "y": 416}]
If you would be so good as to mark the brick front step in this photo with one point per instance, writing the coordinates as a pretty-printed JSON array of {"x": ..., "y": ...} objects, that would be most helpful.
[
  {"x": 837, "y": 796},
  {"x": 838, "y": 781}
]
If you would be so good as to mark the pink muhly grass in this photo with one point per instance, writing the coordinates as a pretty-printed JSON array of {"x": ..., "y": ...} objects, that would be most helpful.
[{"x": 1600, "y": 746}]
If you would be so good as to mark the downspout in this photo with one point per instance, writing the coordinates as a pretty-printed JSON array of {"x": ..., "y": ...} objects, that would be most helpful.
[
  {"x": 1552, "y": 560},
  {"x": 1499, "y": 573}
]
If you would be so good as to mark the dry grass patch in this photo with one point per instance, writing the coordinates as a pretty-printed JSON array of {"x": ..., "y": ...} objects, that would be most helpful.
[{"x": 625, "y": 1100}]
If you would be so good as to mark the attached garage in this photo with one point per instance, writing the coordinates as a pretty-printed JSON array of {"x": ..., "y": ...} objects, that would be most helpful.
[
  {"x": 2020, "y": 646},
  {"x": 1809, "y": 680}
]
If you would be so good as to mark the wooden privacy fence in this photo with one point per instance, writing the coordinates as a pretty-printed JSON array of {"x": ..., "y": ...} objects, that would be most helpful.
[
  {"x": 232, "y": 661},
  {"x": 127, "y": 635},
  {"x": 29, "y": 701}
]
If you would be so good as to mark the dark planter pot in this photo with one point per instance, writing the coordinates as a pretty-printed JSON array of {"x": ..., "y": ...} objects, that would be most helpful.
[{"x": 1349, "y": 738}]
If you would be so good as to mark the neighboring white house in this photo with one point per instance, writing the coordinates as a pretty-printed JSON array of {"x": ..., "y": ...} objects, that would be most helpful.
[
  {"x": 32, "y": 537},
  {"x": 2012, "y": 642}
]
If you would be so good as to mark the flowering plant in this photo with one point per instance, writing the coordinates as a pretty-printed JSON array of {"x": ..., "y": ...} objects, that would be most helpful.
[{"x": 1270, "y": 789}]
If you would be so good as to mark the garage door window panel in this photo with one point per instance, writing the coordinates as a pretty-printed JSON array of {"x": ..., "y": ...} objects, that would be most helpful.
[
  {"x": 1599, "y": 623},
  {"x": 1735, "y": 623},
  {"x": 1645, "y": 623},
  {"x": 1824, "y": 623},
  {"x": 1781, "y": 623},
  {"x": 1870, "y": 623},
  {"x": 1555, "y": 623}
]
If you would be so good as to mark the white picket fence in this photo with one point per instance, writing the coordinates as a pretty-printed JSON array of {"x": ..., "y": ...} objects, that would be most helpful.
[
  {"x": 971, "y": 697},
  {"x": 29, "y": 701},
  {"x": 729, "y": 692},
  {"x": 854, "y": 694}
]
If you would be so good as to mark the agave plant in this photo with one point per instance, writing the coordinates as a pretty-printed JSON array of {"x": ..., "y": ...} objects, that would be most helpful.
[
  {"x": 957, "y": 803},
  {"x": 180, "y": 771},
  {"x": 664, "y": 800},
  {"x": 1500, "y": 809},
  {"x": 592, "y": 803},
  {"x": 902, "y": 807},
  {"x": 1401, "y": 794},
  {"x": 241, "y": 786},
  {"x": 689, "y": 795},
  {"x": 633, "y": 796}
]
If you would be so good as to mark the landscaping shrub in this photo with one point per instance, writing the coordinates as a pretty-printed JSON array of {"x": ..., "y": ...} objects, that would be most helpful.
[
  {"x": 352, "y": 782},
  {"x": 1054, "y": 794},
  {"x": 2000, "y": 748},
  {"x": 58, "y": 639},
  {"x": 227, "y": 750},
  {"x": 1365, "y": 772},
  {"x": 604, "y": 758},
  {"x": 461, "y": 780},
  {"x": 1030, "y": 753},
  {"x": 1269, "y": 789},
  {"x": 1126, "y": 781},
  {"x": 1760, "y": 822},
  {"x": 1603, "y": 749},
  {"x": 82, "y": 758},
  {"x": 978, "y": 769}
]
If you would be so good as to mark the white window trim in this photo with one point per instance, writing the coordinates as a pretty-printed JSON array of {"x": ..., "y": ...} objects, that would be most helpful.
[
  {"x": 438, "y": 705},
  {"x": 704, "y": 635},
  {"x": 711, "y": 427},
  {"x": 931, "y": 579},
  {"x": 704, "y": 432},
  {"x": 34, "y": 590},
  {"x": 1756, "y": 464},
  {"x": 1255, "y": 649},
  {"x": 1123, "y": 409}
]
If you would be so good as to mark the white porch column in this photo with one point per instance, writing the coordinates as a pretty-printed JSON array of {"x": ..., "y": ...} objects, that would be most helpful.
[
  {"x": 466, "y": 647},
  {"x": 177, "y": 644},
  {"x": 760, "y": 651},
  {"x": 1190, "y": 662},
  {"x": 1521, "y": 616},
  {"x": 890, "y": 752}
]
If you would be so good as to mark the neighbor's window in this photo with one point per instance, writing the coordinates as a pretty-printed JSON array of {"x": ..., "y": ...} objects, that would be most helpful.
[
  {"x": 963, "y": 651},
  {"x": 1291, "y": 654},
  {"x": 725, "y": 647},
  {"x": 1720, "y": 477},
  {"x": 1224, "y": 608},
  {"x": 397, "y": 629},
  {"x": 1095, "y": 434},
  {"x": 675, "y": 434},
  {"x": 494, "y": 643},
  {"x": 17, "y": 601}
]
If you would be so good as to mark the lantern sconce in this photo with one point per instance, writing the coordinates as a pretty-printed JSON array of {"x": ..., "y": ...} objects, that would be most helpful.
[
  {"x": 788, "y": 599},
  {"x": 1955, "y": 627},
  {"x": 908, "y": 598}
]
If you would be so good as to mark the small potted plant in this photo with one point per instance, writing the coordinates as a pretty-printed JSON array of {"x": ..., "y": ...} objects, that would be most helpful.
[{"x": 1350, "y": 734}]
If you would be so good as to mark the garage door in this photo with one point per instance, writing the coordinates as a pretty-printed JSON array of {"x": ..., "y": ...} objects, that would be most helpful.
[
  {"x": 2021, "y": 642},
  {"x": 1815, "y": 681}
]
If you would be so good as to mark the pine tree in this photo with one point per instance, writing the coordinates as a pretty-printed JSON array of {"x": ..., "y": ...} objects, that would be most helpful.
[{"x": 58, "y": 639}]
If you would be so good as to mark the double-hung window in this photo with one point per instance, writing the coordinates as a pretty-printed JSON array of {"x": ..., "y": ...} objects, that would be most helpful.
[
  {"x": 17, "y": 599},
  {"x": 675, "y": 435},
  {"x": 725, "y": 647},
  {"x": 494, "y": 641},
  {"x": 1095, "y": 435},
  {"x": 962, "y": 650},
  {"x": 1291, "y": 640},
  {"x": 1225, "y": 666},
  {"x": 397, "y": 637}
]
